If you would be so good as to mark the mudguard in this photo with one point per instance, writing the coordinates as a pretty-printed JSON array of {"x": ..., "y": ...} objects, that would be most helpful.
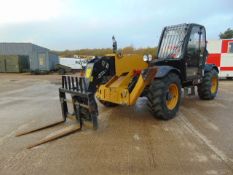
[
  {"x": 209, "y": 67},
  {"x": 164, "y": 70}
]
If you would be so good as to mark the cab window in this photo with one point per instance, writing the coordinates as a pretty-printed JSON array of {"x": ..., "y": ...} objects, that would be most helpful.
[{"x": 197, "y": 35}]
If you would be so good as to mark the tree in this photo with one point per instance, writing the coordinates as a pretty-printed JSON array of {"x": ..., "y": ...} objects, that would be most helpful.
[
  {"x": 228, "y": 34},
  {"x": 128, "y": 50},
  {"x": 104, "y": 51}
]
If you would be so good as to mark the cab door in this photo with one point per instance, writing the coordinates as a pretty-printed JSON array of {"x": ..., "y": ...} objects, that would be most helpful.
[{"x": 195, "y": 57}]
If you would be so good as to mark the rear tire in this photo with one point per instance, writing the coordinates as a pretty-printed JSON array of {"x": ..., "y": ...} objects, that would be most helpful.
[
  {"x": 164, "y": 96},
  {"x": 108, "y": 104},
  {"x": 208, "y": 89}
]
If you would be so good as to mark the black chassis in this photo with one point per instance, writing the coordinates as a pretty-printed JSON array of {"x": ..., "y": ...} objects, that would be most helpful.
[{"x": 178, "y": 66}]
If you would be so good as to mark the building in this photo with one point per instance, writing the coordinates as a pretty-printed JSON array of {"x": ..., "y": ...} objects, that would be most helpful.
[
  {"x": 37, "y": 58},
  {"x": 221, "y": 54}
]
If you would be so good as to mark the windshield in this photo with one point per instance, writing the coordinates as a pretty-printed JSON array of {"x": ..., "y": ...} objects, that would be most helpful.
[{"x": 172, "y": 42}]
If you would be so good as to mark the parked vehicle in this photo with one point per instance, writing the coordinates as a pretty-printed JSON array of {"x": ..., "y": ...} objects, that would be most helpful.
[
  {"x": 67, "y": 65},
  {"x": 221, "y": 54}
]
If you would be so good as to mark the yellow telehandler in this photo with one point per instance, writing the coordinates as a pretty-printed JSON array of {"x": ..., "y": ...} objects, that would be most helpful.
[{"x": 118, "y": 79}]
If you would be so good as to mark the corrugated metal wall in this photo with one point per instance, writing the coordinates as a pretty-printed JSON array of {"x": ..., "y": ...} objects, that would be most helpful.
[
  {"x": 53, "y": 60},
  {"x": 39, "y": 57},
  {"x": 14, "y": 63}
]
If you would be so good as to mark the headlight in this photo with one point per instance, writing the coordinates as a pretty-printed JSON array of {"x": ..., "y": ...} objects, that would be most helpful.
[
  {"x": 145, "y": 58},
  {"x": 150, "y": 57}
]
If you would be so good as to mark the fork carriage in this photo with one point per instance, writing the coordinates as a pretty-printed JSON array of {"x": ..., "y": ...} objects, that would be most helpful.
[{"x": 84, "y": 104}]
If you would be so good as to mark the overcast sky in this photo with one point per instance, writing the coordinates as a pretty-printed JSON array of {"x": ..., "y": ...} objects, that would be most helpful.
[{"x": 76, "y": 24}]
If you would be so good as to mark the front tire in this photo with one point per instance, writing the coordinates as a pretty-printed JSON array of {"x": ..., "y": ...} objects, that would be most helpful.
[
  {"x": 208, "y": 89},
  {"x": 164, "y": 96}
]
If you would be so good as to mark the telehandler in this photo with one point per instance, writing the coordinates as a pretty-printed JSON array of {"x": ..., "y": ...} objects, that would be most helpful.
[{"x": 118, "y": 79}]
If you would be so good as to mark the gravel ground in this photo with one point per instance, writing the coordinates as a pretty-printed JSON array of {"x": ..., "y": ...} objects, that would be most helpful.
[{"x": 129, "y": 140}]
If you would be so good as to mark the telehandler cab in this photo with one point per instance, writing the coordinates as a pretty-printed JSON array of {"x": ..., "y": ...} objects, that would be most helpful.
[{"x": 118, "y": 79}]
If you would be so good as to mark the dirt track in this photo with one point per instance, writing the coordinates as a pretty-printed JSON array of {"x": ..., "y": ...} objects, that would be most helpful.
[{"x": 129, "y": 141}]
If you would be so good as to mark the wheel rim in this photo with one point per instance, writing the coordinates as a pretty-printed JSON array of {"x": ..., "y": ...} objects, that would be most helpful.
[
  {"x": 172, "y": 96},
  {"x": 214, "y": 85}
]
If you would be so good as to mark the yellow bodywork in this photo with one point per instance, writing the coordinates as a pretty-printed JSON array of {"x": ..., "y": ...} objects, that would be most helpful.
[{"x": 116, "y": 89}]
